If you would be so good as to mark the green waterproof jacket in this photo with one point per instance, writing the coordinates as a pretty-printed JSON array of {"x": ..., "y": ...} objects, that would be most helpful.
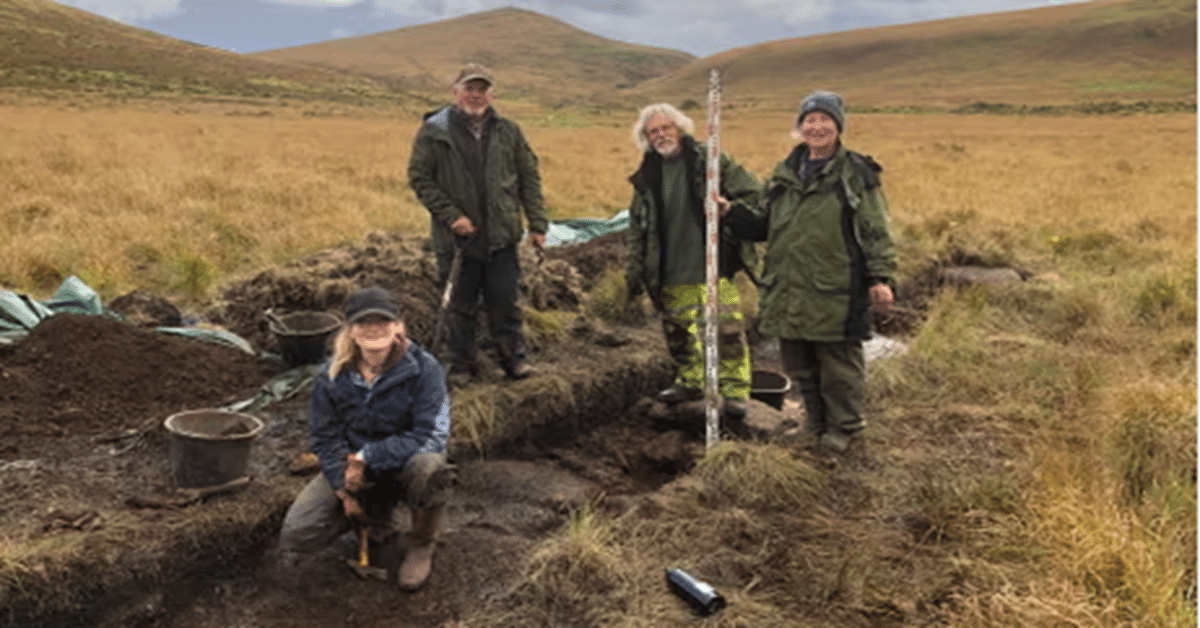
[
  {"x": 828, "y": 241},
  {"x": 438, "y": 173},
  {"x": 645, "y": 238}
]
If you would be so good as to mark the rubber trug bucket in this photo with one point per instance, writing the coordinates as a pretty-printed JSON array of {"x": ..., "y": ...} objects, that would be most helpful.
[
  {"x": 210, "y": 447},
  {"x": 769, "y": 387},
  {"x": 304, "y": 336}
]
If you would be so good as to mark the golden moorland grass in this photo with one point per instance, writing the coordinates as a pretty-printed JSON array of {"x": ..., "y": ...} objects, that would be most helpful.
[
  {"x": 1090, "y": 520},
  {"x": 174, "y": 202}
]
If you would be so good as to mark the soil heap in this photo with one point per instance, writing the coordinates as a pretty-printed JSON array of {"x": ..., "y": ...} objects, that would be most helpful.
[{"x": 91, "y": 374}]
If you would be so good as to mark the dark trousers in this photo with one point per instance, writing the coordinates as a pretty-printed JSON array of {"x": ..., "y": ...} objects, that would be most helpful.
[
  {"x": 496, "y": 283},
  {"x": 831, "y": 377}
]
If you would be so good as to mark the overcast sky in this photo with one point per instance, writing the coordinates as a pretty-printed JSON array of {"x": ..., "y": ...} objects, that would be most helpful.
[{"x": 701, "y": 28}]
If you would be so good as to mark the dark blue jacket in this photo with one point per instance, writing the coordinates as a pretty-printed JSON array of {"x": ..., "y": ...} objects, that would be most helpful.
[{"x": 405, "y": 412}]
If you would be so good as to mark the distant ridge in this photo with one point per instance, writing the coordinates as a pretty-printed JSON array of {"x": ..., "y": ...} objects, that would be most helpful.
[
  {"x": 1137, "y": 55},
  {"x": 535, "y": 57},
  {"x": 48, "y": 45},
  {"x": 1104, "y": 50}
]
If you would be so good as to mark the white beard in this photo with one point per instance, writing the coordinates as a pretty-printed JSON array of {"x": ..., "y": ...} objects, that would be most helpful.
[
  {"x": 475, "y": 112},
  {"x": 667, "y": 149}
]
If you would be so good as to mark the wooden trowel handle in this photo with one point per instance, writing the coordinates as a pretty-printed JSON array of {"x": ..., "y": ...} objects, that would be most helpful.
[{"x": 364, "y": 552}]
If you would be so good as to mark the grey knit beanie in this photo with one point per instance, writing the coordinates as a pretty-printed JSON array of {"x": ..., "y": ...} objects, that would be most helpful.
[{"x": 827, "y": 102}]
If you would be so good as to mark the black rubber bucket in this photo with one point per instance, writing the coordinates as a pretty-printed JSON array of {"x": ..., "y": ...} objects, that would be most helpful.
[
  {"x": 770, "y": 387},
  {"x": 210, "y": 447},
  {"x": 304, "y": 336}
]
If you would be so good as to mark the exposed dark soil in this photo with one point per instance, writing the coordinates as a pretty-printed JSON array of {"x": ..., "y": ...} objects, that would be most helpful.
[
  {"x": 594, "y": 257},
  {"x": 115, "y": 456},
  {"x": 90, "y": 374},
  {"x": 84, "y": 457}
]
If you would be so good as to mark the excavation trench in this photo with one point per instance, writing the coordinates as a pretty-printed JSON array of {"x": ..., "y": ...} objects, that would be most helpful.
[
  {"x": 583, "y": 434},
  {"x": 523, "y": 489},
  {"x": 84, "y": 460}
]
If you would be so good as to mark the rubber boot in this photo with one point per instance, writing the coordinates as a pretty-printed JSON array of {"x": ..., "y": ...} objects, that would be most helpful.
[{"x": 422, "y": 539}]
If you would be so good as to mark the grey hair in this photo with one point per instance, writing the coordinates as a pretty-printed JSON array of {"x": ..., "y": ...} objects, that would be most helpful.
[{"x": 682, "y": 122}]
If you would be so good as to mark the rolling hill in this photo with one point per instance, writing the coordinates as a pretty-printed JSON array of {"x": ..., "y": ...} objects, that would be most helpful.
[
  {"x": 48, "y": 45},
  {"x": 1104, "y": 50},
  {"x": 1090, "y": 52},
  {"x": 534, "y": 57}
]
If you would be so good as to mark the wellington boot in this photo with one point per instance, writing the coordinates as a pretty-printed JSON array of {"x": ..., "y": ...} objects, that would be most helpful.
[
  {"x": 414, "y": 571},
  {"x": 422, "y": 540},
  {"x": 836, "y": 441}
]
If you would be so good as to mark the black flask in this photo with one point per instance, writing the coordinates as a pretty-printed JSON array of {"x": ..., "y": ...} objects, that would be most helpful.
[{"x": 699, "y": 594}]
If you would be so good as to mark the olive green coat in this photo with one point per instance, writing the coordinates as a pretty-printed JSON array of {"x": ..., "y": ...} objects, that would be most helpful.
[
  {"x": 646, "y": 247},
  {"x": 438, "y": 173},
  {"x": 828, "y": 241}
]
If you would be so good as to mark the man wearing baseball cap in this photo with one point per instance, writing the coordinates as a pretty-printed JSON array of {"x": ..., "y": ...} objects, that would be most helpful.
[{"x": 476, "y": 174}]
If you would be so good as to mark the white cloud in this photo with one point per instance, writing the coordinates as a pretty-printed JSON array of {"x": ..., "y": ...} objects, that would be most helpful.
[
  {"x": 127, "y": 11},
  {"x": 317, "y": 3},
  {"x": 701, "y": 27}
]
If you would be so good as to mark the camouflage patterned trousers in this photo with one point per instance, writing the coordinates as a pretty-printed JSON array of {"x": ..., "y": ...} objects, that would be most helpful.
[{"x": 683, "y": 324}]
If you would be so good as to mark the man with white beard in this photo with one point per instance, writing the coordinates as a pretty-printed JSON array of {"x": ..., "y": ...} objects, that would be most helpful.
[
  {"x": 666, "y": 254},
  {"x": 476, "y": 174}
]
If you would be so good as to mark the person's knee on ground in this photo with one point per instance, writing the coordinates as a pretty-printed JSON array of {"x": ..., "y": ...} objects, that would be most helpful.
[{"x": 313, "y": 520}]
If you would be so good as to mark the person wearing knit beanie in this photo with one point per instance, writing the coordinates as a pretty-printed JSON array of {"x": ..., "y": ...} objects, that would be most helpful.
[
  {"x": 829, "y": 265},
  {"x": 827, "y": 102}
]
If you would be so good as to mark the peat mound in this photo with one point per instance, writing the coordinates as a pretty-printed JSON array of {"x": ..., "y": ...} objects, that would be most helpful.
[
  {"x": 322, "y": 281},
  {"x": 403, "y": 264},
  {"x": 87, "y": 374},
  {"x": 592, "y": 258}
]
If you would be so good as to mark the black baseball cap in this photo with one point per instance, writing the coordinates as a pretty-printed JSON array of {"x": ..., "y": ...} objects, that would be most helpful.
[{"x": 369, "y": 301}]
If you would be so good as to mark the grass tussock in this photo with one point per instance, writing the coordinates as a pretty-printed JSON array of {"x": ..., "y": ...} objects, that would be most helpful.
[
  {"x": 574, "y": 578},
  {"x": 479, "y": 410},
  {"x": 475, "y": 419},
  {"x": 43, "y": 572},
  {"x": 757, "y": 476},
  {"x": 543, "y": 327},
  {"x": 609, "y": 299},
  {"x": 778, "y": 560}
]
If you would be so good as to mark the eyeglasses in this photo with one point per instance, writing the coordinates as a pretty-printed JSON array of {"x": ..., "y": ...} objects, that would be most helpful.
[{"x": 662, "y": 129}]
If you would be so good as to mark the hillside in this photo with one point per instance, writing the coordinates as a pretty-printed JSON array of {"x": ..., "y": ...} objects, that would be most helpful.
[
  {"x": 535, "y": 57},
  {"x": 1091, "y": 52},
  {"x": 48, "y": 45},
  {"x": 1105, "y": 50}
]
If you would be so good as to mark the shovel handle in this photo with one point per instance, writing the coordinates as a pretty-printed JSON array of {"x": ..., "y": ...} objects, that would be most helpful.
[{"x": 364, "y": 552}]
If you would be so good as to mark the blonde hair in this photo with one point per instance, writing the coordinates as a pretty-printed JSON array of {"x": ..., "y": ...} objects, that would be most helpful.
[
  {"x": 346, "y": 352},
  {"x": 681, "y": 121}
]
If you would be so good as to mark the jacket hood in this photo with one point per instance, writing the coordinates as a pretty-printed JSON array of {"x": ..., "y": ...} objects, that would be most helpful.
[
  {"x": 651, "y": 159},
  {"x": 788, "y": 168},
  {"x": 441, "y": 117}
]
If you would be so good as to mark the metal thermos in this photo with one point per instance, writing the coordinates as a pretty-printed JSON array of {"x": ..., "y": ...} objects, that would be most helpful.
[{"x": 697, "y": 593}]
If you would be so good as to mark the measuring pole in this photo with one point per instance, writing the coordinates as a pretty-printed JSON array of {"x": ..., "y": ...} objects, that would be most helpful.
[{"x": 712, "y": 395}]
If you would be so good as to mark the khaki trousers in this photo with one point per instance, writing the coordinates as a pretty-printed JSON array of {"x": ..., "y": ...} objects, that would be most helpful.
[{"x": 315, "y": 519}]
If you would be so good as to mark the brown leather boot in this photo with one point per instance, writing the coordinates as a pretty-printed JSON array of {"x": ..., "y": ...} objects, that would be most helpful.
[{"x": 422, "y": 539}]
